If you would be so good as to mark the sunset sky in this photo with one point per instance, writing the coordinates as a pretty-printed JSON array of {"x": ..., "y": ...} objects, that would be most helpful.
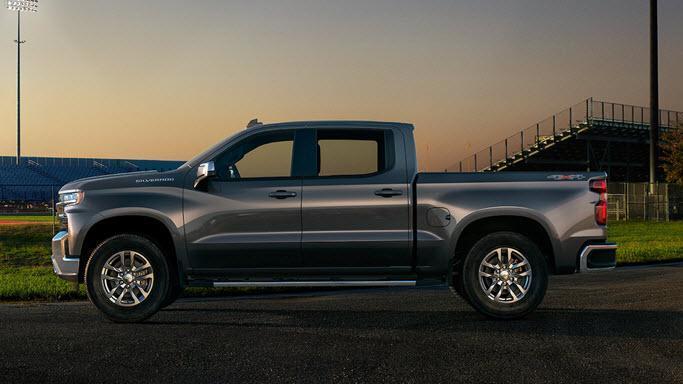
[{"x": 165, "y": 79}]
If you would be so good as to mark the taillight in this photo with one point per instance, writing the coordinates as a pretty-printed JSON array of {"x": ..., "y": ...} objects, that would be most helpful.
[{"x": 600, "y": 186}]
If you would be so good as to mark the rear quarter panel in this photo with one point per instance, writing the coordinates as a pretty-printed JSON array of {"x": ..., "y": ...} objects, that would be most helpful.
[{"x": 565, "y": 209}]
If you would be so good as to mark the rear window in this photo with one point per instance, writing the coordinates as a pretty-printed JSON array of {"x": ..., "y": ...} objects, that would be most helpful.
[{"x": 352, "y": 152}]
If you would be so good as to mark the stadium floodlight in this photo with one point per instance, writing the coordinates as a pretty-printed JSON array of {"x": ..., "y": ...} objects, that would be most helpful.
[
  {"x": 23, "y": 5},
  {"x": 20, "y": 6}
]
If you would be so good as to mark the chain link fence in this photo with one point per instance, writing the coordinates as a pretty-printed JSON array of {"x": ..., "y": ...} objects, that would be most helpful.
[{"x": 633, "y": 201}]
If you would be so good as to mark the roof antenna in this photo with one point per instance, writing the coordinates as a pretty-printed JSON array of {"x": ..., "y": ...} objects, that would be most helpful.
[{"x": 253, "y": 123}]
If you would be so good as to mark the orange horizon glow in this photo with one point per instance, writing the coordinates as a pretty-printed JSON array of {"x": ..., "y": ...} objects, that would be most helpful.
[{"x": 166, "y": 79}]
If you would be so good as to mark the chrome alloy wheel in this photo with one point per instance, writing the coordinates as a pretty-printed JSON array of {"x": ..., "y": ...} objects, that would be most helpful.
[
  {"x": 127, "y": 278},
  {"x": 505, "y": 275}
]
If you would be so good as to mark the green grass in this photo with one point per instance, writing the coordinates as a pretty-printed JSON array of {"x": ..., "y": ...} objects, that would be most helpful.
[
  {"x": 26, "y": 269},
  {"x": 25, "y": 245},
  {"x": 644, "y": 242},
  {"x": 35, "y": 283},
  {"x": 31, "y": 218}
]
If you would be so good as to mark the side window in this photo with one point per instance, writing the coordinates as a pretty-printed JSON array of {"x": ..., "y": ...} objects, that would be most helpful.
[
  {"x": 352, "y": 152},
  {"x": 262, "y": 155}
]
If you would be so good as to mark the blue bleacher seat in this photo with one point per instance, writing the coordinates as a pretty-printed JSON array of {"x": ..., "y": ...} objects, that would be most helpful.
[{"x": 39, "y": 178}]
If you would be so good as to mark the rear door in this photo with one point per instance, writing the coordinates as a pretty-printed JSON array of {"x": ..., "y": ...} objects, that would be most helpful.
[{"x": 355, "y": 205}]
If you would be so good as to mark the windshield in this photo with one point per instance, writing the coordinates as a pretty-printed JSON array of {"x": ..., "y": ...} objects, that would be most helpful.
[{"x": 208, "y": 151}]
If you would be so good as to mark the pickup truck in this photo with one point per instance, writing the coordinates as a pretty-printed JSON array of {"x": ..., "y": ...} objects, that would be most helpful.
[{"x": 323, "y": 204}]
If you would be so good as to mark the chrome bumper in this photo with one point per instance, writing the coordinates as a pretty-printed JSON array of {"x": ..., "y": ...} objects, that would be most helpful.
[
  {"x": 65, "y": 267},
  {"x": 598, "y": 257}
]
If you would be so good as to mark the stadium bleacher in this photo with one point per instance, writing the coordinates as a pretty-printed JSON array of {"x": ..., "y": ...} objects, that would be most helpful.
[
  {"x": 38, "y": 179},
  {"x": 591, "y": 135}
]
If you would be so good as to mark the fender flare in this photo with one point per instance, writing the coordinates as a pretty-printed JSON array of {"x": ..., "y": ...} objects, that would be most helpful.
[{"x": 512, "y": 211}]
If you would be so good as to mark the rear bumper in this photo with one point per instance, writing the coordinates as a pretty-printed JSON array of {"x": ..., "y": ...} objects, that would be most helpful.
[
  {"x": 598, "y": 257},
  {"x": 64, "y": 265}
]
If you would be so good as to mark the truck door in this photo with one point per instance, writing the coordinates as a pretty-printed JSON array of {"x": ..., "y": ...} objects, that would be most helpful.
[
  {"x": 249, "y": 216},
  {"x": 355, "y": 206}
]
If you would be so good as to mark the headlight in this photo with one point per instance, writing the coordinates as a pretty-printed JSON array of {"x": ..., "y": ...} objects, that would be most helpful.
[{"x": 71, "y": 197}]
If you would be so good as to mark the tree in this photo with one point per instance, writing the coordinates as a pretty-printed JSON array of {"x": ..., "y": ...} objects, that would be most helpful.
[{"x": 672, "y": 154}]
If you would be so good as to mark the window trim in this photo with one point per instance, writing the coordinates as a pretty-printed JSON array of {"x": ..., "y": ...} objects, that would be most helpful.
[
  {"x": 388, "y": 147},
  {"x": 293, "y": 174}
]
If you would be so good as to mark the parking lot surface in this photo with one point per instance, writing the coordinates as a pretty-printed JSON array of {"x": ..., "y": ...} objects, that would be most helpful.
[{"x": 619, "y": 326}]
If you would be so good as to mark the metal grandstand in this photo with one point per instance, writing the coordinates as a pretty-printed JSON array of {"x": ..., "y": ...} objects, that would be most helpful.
[
  {"x": 38, "y": 179},
  {"x": 588, "y": 136}
]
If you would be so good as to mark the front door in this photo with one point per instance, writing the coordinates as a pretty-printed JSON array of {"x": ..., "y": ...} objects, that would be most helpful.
[{"x": 249, "y": 217}]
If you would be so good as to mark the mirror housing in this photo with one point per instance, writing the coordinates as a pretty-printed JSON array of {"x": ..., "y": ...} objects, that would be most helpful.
[{"x": 204, "y": 171}]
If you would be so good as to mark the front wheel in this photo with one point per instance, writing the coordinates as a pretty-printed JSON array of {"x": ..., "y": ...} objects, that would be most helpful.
[
  {"x": 504, "y": 275},
  {"x": 127, "y": 278}
]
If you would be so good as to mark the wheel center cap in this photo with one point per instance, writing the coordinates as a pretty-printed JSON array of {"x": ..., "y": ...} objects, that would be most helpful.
[
  {"x": 128, "y": 278},
  {"x": 505, "y": 275}
]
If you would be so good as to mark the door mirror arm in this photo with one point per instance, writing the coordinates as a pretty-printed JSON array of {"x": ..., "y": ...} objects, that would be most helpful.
[{"x": 204, "y": 171}]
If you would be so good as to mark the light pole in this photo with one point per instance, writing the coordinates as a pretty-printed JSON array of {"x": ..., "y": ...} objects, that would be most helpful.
[
  {"x": 20, "y": 6},
  {"x": 654, "y": 96}
]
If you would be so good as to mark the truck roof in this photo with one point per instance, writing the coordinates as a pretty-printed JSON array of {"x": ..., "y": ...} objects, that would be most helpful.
[{"x": 333, "y": 123}]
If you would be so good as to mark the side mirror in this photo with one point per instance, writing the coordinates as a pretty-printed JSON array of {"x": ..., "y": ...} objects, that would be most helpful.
[{"x": 204, "y": 171}]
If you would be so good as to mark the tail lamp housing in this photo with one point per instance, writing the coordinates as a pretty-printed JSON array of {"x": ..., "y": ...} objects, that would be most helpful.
[{"x": 599, "y": 186}]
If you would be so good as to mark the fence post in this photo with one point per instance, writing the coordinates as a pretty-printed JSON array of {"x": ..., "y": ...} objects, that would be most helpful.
[
  {"x": 52, "y": 198},
  {"x": 490, "y": 158},
  {"x": 570, "y": 118},
  {"x": 666, "y": 200},
  {"x": 475, "y": 162},
  {"x": 627, "y": 203},
  {"x": 506, "y": 151},
  {"x": 554, "y": 133},
  {"x": 602, "y": 110},
  {"x": 460, "y": 166},
  {"x": 538, "y": 134},
  {"x": 521, "y": 143},
  {"x": 645, "y": 207},
  {"x": 587, "y": 109}
]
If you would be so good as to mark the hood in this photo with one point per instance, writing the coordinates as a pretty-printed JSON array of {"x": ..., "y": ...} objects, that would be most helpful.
[{"x": 119, "y": 180}]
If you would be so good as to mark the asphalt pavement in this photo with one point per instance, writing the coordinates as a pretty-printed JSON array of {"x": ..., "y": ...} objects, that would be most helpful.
[{"x": 611, "y": 327}]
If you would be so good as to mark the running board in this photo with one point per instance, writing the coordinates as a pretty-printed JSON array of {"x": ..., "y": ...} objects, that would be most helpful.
[{"x": 367, "y": 283}]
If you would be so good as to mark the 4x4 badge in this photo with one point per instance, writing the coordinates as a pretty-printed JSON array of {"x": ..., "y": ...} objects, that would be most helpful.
[{"x": 566, "y": 177}]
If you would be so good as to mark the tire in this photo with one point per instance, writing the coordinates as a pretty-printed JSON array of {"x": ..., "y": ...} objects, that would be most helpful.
[
  {"x": 174, "y": 292},
  {"x": 125, "y": 257},
  {"x": 455, "y": 285},
  {"x": 504, "y": 292}
]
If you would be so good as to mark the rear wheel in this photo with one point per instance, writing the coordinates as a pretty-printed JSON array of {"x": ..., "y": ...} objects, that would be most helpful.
[
  {"x": 127, "y": 278},
  {"x": 504, "y": 275}
]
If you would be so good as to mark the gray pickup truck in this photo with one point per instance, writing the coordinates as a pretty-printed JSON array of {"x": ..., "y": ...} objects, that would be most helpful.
[{"x": 322, "y": 204}]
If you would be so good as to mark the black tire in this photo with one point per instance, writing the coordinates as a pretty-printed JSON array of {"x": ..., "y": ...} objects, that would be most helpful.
[
  {"x": 455, "y": 284},
  {"x": 476, "y": 295},
  {"x": 96, "y": 293},
  {"x": 174, "y": 292}
]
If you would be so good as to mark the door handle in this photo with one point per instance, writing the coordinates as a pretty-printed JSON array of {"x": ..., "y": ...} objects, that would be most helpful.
[
  {"x": 388, "y": 192},
  {"x": 281, "y": 194}
]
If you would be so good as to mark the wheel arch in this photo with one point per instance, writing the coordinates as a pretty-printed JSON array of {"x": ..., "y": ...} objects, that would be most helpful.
[
  {"x": 150, "y": 227},
  {"x": 524, "y": 223}
]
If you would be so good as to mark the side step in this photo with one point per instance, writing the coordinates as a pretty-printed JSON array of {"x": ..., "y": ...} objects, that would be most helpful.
[{"x": 341, "y": 283}]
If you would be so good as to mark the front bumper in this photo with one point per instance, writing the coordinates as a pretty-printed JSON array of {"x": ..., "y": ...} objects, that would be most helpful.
[
  {"x": 598, "y": 257},
  {"x": 64, "y": 265}
]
